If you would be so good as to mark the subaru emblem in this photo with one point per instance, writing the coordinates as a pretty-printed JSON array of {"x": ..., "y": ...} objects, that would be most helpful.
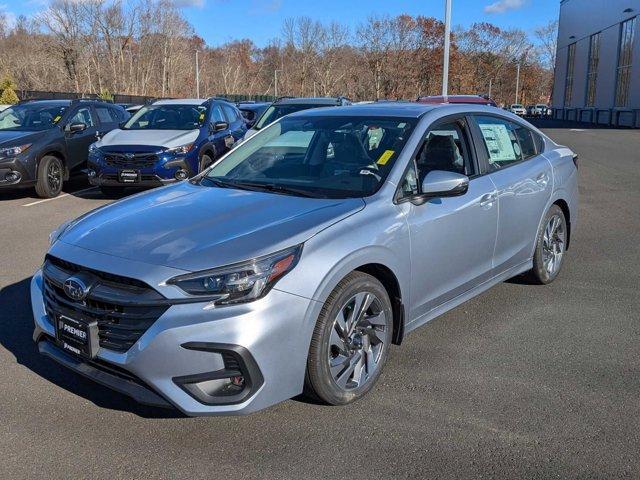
[{"x": 75, "y": 289}]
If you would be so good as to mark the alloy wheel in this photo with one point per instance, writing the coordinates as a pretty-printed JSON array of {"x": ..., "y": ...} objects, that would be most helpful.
[
  {"x": 553, "y": 245},
  {"x": 358, "y": 338},
  {"x": 54, "y": 176}
]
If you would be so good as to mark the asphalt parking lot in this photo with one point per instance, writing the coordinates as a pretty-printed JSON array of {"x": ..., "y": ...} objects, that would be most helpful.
[{"x": 521, "y": 382}]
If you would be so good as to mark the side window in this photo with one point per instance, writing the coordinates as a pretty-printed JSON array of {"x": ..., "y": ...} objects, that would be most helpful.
[
  {"x": 409, "y": 185},
  {"x": 216, "y": 114},
  {"x": 83, "y": 115},
  {"x": 525, "y": 138},
  {"x": 501, "y": 142},
  {"x": 539, "y": 141},
  {"x": 445, "y": 147},
  {"x": 118, "y": 114},
  {"x": 105, "y": 116},
  {"x": 230, "y": 112}
]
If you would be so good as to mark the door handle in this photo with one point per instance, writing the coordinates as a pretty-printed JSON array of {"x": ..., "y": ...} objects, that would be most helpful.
[{"x": 487, "y": 199}]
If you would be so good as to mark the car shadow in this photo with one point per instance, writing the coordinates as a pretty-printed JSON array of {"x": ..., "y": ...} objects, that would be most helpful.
[
  {"x": 568, "y": 124},
  {"x": 16, "y": 328}
]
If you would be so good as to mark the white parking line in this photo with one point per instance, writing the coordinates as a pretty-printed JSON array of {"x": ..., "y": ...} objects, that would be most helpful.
[{"x": 59, "y": 197}]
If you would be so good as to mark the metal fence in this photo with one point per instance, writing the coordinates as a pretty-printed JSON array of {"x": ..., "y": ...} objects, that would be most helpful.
[{"x": 121, "y": 98}]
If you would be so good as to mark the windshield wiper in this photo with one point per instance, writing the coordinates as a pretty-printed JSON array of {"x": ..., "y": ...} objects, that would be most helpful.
[{"x": 272, "y": 187}]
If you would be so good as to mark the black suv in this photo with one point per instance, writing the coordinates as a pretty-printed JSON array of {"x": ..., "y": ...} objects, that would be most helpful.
[{"x": 43, "y": 141}]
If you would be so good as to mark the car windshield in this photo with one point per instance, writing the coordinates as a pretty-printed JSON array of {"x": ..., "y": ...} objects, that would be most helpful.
[
  {"x": 327, "y": 157},
  {"x": 274, "y": 112},
  {"x": 31, "y": 117},
  {"x": 167, "y": 117},
  {"x": 515, "y": 105}
]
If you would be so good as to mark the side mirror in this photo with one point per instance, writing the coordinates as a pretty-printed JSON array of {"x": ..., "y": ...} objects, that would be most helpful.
[
  {"x": 219, "y": 126},
  {"x": 440, "y": 183},
  {"x": 75, "y": 127}
]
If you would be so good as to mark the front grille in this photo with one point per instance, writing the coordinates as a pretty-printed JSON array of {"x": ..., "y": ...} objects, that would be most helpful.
[
  {"x": 123, "y": 307},
  {"x": 130, "y": 160}
]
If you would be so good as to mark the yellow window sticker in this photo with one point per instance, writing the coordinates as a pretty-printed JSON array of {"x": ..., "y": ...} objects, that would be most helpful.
[
  {"x": 385, "y": 157},
  {"x": 202, "y": 117},
  {"x": 57, "y": 119}
]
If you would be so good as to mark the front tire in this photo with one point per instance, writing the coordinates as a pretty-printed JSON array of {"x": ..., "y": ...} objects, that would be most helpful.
[
  {"x": 50, "y": 177},
  {"x": 351, "y": 341},
  {"x": 205, "y": 162},
  {"x": 551, "y": 244}
]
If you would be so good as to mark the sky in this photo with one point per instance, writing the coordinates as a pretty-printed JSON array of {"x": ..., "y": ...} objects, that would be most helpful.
[{"x": 218, "y": 21}]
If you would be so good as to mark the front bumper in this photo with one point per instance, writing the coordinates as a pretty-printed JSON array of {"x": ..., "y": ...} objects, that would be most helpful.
[
  {"x": 188, "y": 344},
  {"x": 18, "y": 168}
]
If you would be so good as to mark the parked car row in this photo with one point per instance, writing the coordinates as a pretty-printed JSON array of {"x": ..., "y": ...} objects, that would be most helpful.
[
  {"x": 43, "y": 142},
  {"x": 296, "y": 261}
]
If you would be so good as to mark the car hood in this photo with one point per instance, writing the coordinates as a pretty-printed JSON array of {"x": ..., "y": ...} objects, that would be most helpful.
[
  {"x": 15, "y": 137},
  {"x": 160, "y": 138},
  {"x": 191, "y": 227}
]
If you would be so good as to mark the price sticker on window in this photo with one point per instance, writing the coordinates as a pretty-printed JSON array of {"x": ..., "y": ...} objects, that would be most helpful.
[{"x": 385, "y": 157}]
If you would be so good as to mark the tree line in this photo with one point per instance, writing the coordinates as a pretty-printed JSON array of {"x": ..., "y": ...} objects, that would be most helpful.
[{"x": 147, "y": 47}]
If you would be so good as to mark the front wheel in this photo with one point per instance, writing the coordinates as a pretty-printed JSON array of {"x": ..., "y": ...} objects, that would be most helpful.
[
  {"x": 205, "y": 162},
  {"x": 551, "y": 244},
  {"x": 50, "y": 177},
  {"x": 351, "y": 340}
]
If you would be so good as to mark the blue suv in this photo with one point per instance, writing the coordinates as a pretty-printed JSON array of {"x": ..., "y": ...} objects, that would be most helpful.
[{"x": 167, "y": 141}]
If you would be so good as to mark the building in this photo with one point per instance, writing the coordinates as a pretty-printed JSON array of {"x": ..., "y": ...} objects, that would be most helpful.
[{"x": 597, "y": 75}]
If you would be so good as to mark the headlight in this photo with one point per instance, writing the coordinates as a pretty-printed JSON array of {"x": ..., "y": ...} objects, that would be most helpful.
[
  {"x": 57, "y": 233},
  {"x": 240, "y": 282},
  {"x": 14, "y": 151},
  {"x": 181, "y": 150}
]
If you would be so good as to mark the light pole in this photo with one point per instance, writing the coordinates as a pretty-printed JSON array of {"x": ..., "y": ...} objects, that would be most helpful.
[
  {"x": 275, "y": 82},
  {"x": 447, "y": 43},
  {"x": 517, "y": 82},
  {"x": 197, "y": 77}
]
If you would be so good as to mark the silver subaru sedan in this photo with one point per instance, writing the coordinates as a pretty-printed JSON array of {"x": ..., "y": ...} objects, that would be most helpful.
[{"x": 294, "y": 262}]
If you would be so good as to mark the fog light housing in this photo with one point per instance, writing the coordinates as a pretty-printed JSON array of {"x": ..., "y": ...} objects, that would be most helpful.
[
  {"x": 236, "y": 382},
  {"x": 12, "y": 176},
  {"x": 182, "y": 174},
  {"x": 91, "y": 173}
]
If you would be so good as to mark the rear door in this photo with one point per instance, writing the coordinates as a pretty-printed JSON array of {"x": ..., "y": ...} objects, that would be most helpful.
[
  {"x": 78, "y": 142},
  {"x": 237, "y": 125},
  {"x": 524, "y": 182}
]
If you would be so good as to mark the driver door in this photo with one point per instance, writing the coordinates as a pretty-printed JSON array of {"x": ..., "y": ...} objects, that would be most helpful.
[
  {"x": 78, "y": 142},
  {"x": 452, "y": 238}
]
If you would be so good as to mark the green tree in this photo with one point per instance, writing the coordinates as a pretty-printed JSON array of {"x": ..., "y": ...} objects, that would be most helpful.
[
  {"x": 105, "y": 95},
  {"x": 8, "y": 94}
]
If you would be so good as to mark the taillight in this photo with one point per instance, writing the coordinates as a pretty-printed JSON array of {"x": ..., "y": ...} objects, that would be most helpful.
[{"x": 575, "y": 159}]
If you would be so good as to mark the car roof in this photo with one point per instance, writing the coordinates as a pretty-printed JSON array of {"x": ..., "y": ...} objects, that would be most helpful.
[
  {"x": 386, "y": 109},
  {"x": 401, "y": 110},
  {"x": 181, "y": 101},
  {"x": 48, "y": 102},
  {"x": 308, "y": 101}
]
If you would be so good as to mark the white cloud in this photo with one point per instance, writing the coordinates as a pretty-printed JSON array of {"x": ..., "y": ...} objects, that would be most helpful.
[{"x": 502, "y": 6}]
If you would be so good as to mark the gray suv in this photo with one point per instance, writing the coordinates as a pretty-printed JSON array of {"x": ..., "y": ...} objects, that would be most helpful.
[{"x": 294, "y": 262}]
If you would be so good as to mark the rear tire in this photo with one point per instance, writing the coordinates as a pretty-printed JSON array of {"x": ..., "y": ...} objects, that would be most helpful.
[
  {"x": 112, "y": 192},
  {"x": 351, "y": 340},
  {"x": 50, "y": 177},
  {"x": 551, "y": 243}
]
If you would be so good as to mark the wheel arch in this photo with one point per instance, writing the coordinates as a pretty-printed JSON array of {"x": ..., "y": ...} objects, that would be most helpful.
[
  {"x": 53, "y": 152},
  {"x": 564, "y": 206},
  {"x": 390, "y": 282}
]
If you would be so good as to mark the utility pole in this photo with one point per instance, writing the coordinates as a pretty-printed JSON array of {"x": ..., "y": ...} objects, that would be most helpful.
[
  {"x": 490, "y": 85},
  {"x": 447, "y": 44},
  {"x": 197, "y": 77},
  {"x": 517, "y": 81}
]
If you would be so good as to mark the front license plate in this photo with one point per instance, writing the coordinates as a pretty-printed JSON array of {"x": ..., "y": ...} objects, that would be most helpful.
[
  {"x": 129, "y": 176},
  {"x": 77, "y": 337}
]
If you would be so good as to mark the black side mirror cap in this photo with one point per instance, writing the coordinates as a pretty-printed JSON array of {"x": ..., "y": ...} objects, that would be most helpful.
[
  {"x": 75, "y": 127},
  {"x": 219, "y": 126}
]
